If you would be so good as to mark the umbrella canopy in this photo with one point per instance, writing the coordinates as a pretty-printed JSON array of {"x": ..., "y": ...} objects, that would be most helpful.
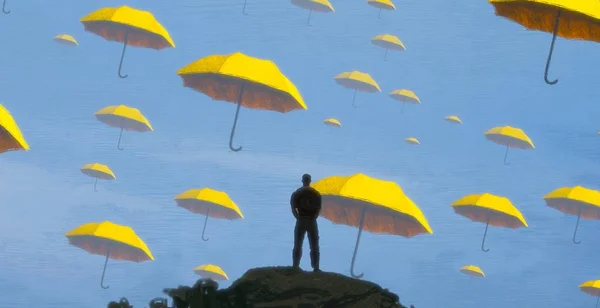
[
  {"x": 565, "y": 18},
  {"x": 247, "y": 81},
  {"x": 211, "y": 271},
  {"x": 412, "y": 140},
  {"x": 332, "y": 122},
  {"x": 129, "y": 26},
  {"x": 372, "y": 205},
  {"x": 405, "y": 96},
  {"x": 490, "y": 209},
  {"x": 382, "y": 5},
  {"x": 210, "y": 202},
  {"x": 472, "y": 271},
  {"x": 578, "y": 200},
  {"x": 321, "y": 6},
  {"x": 357, "y": 81},
  {"x": 388, "y": 41},
  {"x": 592, "y": 288},
  {"x": 98, "y": 172},
  {"x": 125, "y": 118},
  {"x": 453, "y": 119},
  {"x": 11, "y": 138},
  {"x": 510, "y": 137},
  {"x": 65, "y": 39},
  {"x": 112, "y": 240}
]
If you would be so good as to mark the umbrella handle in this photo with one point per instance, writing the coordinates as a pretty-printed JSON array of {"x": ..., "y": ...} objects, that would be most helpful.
[
  {"x": 119, "y": 142},
  {"x": 597, "y": 301},
  {"x": 379, "y": 15},
  {"x": 4, "y": 10},
  {"x": 354, "y": 100},
  {"x": 104, "y": 271},
  {"x": 556, "y": 23},
  {"x": 123, "y": 55},
  {"x": 95, "y": 183},
  {"x": 385, "y": 56},
  {"x": 506, "y": 155},
  {"x": 485, "y": 233},
  {"x": 244, "y": 9},
  {"x": 204, "y": 229},
  {"x": 237, "y": 113},
  {"x": 360, "y": 229},
  {"x": 308, "y": 21},
  {"x": 577, "y": 226}
]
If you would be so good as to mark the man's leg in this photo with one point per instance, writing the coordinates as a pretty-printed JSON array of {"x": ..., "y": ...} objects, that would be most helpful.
[
  {"x": 313, "y": 240},
  {"x": 299, "y": 233}
]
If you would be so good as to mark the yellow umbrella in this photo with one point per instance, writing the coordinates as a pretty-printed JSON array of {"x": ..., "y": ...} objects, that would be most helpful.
[
  {"x": 322, "y": 6},
  {"x": 11, "y": 138},
  {"x": 510, "y": 137},
  {"x": 125, "y": 118},
  {"x": 493, "y": 210},
  {"x": 357, "y": 81},
  {"x": 579, "y": 20},
  {"x": 98, "y": 171},
  {"x": 382, "y": 5},
  {"x": 472, "y": 271},
  {"x": 252, "y": 82},
  {"x": 580, "y": 201},
  {"x": 405, "y": 96},
  {"x": 372, "y": 205},
  {"x": 332, "y": 122},
  {"x": 453, "y": 119},
  {"x": 65, "y": 39},
  {"x": 592, "y": 288},
  {"x": 388, "y": 42},
  {"x": 412, "y": 140},
  {"x": 128, "y": 26},
  {"x": 4, "y": 10},
  {"x": 210, "y": 202},
  {"x": 211, "y": 271},
  {"x": 108, "y": 239}
]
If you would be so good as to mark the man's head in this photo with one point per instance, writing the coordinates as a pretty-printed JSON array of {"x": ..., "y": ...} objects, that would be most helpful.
[{"x": 306, "y": 179}]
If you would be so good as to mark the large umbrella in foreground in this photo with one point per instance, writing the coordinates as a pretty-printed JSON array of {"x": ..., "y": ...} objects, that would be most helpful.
[
  {"x": 580, "y": 201},
  {"x": 592, "y": 288},
  {"x": 211, "y": 271},
  {"x": 372, "y": 205},
  {"x": 4, "y": 10},
  {"x": 11, "y": 138},
  {"x": 125, "y": 118},
  {"x": 388, "y": 41},
  {"x": 405, "y": 96},
  {"x": 570, "y": 19},
  {"x": 491, "y": 210},
  {"x": 510, "y": 137},
  {"x": 382, "y": 5},
  {"x": 357, "y": 81},
  {"x": 98, "y": 171},
  {"x": 321, "y": 6},
  {"x": 108, "y": 239},
  {"x": 246, "y": 81},
  {"x": 210, "y": 202},
  {"x": 128, "y": 26}
]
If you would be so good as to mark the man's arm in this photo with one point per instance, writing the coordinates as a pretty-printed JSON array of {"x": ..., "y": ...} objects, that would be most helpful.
[
  {"x": 293, "y": 205},
  {"x": 318, "y": 200}
]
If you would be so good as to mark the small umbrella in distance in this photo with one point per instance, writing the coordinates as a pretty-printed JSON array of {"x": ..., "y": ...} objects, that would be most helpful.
[
  {"x": 473, "y": 271},
  {"x": 580, "y": 201},
  {"x": 357, "y": 81},
  {"x": 332, "y": 122},
  {"x": 128, "y": 26},
  {"x": 372, "y": 205},
  {"x": 98, "y": 171},
  {"x": 66, "y": 39},
  {"x": 246, "y": 81},
  {"x": 4, "y": 10},
  {"x": 388, "y": 41},
  {"x": 125, "y": 118},
  {"x": 11, "y": 138},
  {"x": 322, "y": 6},
  {"x": 453, "y": 119},
  {"x": 510, "y": 137},
  {"x": 108, "y": 239},
  {"x": 382, "y": 5},
  {"x": 405, "y": 96},
  {"x": 565, "y": 18},
  {"x": 412, "y": 140},
  {"x": 493, "y": 210},
  {"x": 211, "y": 271},
  {"x": 592, "y": 288},
  {"x": 210, "y": 202}
]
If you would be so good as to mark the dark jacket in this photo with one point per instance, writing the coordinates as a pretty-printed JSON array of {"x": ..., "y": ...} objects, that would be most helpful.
[{"x": 306, "y": 202}]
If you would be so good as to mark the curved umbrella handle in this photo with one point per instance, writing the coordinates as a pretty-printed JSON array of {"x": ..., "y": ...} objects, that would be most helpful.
[
  {"x": 379, "y": 15},
  {"x": 204, "y": 229},
  {"x": 237, "y": 113},
  {"x": 597, "y": 301},
  {"x": 506, "y": 155},
  {"x": 119, "y": 142},
  {"x": 485, "y": 233},
  {"x": 308, "y": 21},
  {"x": 360, "y": 229},
  {"x": 244, "y": 9},
  {"x": 385, "y": 56},
  {"x": 556, "y": 23},
  {"x": 4, "y": 10},
  {"x": 354, "y": 99},
  {"x": 104, "y": 271},
  {"x": 577, "y": 226},
  {"x": 95, "y": 183},
  {"x": 123, "y": 55}
]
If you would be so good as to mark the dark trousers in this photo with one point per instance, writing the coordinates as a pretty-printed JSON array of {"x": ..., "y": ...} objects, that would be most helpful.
[{"x": 306, "y": 225}]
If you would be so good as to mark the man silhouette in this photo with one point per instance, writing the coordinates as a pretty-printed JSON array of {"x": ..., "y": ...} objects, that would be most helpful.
[{"x": 306, "y": 206}]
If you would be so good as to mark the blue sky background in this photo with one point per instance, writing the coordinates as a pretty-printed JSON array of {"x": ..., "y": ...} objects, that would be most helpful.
[{"x": 461, "y": 59}]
